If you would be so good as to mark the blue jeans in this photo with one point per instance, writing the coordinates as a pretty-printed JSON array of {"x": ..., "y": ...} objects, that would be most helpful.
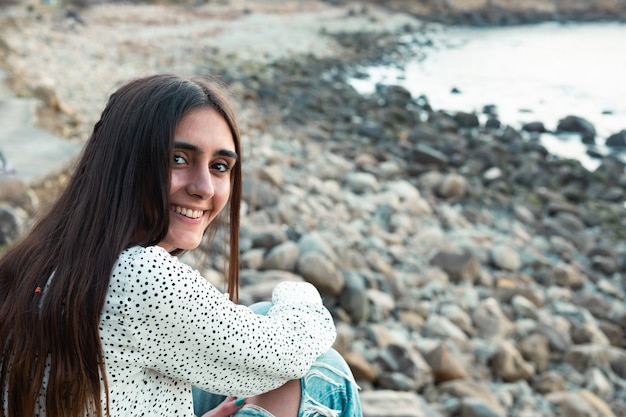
[{"x": 328, "y": 388}]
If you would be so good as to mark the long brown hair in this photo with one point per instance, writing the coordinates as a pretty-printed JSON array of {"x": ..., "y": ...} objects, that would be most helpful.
[{"x": 53, "y": 282}]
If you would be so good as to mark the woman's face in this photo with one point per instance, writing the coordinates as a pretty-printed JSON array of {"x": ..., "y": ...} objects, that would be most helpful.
[{"x": 204, "y": 155}]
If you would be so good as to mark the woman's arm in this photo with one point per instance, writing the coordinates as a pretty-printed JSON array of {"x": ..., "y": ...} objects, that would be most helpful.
[{"x": 188, "y": 330}]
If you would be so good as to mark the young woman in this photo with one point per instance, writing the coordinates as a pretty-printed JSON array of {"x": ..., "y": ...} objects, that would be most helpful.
[{"x": 99, "y": 317}]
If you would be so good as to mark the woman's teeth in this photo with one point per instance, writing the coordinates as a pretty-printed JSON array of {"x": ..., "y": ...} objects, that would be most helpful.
[{"x": 192, "y": 214}]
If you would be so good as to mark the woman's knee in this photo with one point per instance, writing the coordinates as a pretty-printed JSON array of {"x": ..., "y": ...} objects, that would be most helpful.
[
  {"x": 333, "y": 360},
  {"x": 261, "y": 308},
  {"x": 329, "y": 389}
]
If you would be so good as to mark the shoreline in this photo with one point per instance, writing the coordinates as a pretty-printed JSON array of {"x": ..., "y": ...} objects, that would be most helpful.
[
  {"x": 481, "y": 77},
  {"x": 478, "y": 13}
]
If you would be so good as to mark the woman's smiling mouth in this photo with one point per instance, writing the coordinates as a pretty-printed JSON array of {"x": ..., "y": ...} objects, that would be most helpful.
[{"x": 187, "y": 212}]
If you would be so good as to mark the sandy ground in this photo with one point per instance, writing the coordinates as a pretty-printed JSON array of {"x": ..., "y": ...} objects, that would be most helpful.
[
  {"x": 73, "y": 64},
  {"x": 83, "y": 59}
]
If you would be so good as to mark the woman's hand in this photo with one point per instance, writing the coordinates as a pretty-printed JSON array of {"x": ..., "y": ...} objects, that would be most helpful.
[{"x": 228, "y": 407}]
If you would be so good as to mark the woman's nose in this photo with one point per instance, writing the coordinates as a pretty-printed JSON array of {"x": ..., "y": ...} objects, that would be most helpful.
[{"x": 201, "y": 184}]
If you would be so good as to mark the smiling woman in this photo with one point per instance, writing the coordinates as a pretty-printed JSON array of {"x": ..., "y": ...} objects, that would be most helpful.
[
  {"x": 99, "y": 317},
  {"x": 204, "y": 156}
]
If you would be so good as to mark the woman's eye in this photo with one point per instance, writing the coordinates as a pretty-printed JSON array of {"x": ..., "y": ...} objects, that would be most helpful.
[
  {"x": 179, "y": 160},
  {"x": 221, "y": 167}
]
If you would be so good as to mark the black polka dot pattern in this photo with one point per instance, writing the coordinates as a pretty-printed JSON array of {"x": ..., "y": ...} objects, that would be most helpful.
[{"x": 164, "y": 328}]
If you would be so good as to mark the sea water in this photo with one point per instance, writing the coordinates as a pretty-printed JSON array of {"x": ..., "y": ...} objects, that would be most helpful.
[{"x": 540, "y": 72}]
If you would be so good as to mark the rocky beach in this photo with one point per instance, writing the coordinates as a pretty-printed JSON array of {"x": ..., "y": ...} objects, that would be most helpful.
[{"x": 470, "y": 272}]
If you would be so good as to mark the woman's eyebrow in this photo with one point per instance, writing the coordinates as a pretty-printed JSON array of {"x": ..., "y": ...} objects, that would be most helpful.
[
  {"x": 186, "y": 146},
  {"x": 227, "y": 153},
  {"x": 191, "y": 147}
]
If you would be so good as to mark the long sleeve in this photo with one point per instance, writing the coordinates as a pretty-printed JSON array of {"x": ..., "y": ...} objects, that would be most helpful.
[{"x": 169, "y": 319}]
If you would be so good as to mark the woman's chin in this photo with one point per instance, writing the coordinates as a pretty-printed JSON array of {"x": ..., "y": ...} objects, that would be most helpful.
[{"x": 181, "y": 243}]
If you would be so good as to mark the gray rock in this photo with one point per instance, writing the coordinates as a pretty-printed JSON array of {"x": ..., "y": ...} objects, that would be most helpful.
[
  {"x": 353, "y": 297},
  {"x": 489, "y": 319},
  {"x": 259, "y": 287},
  {"x": 558, "y": 336},
  {"x": 506, "y": 258},
  {"x": 15, "y": 192},
  {"x": 596, "y": 304},
  {"x": 403, "y": 189},
  {"x": 458, "y": 316},
  {"x": 524, "y": 214},
  {"x": 316, "y": 242},
  {"x": 599, "y": 384},
  {"x": 492, "y": 174},
  {"x": 430, "y": 181},
  {"x": 583, "y": 357},
  {"x": 362, "y": 182},
  {"x": 583, "y": 333},
  {"x": 273, "y": 174},
  {"x": 453, "y": 186},
  {"x": 252, "y": 259},
  {"x": 11, "y": 225},
  {"x": 459, "y": 266},
  {"x": 423, "y": 134},
  {"x": 378, "y": 263},
  {"x": 472, "y": 407},
  {"x": 617, "y": 140},
  {"x": 319, "y": 271},
  {"x": 330, "y": 166},
  {"x": 269, "y": 236},
  {"x": 604, "y": 259},
  {"x": 618, "y": 361},
  {"x": 260, "y": 194},
  {"x": 466, "y": 120},
  {"x": 523, "y": 307},
  {"x": 577, "y": 124},
  {"x": 567, "y": 275},
  {"x": 534, "y": 127},
  {"x": 547, "y": 382},
  {"x": 507, "y": 363},
  {"x": 282, "y": 256},
  {"x": 536, "y": 349},
  {"x": 381, "y": 304},
  {"x": 446, "y": 363},
  {"x": 424, "y": 154},
  {"x": 476, "y": 391},
  {"x": 613, "y": 332},
  {"x": 580, "y": 404},
  {"x": 403, "y": 368},
  {"x": 442, "y": 328},
  {"x": 388, "y": 403}
]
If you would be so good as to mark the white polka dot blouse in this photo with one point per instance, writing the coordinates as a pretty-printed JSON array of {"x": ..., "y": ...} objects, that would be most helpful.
[{"x": 164, "y": 328}]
